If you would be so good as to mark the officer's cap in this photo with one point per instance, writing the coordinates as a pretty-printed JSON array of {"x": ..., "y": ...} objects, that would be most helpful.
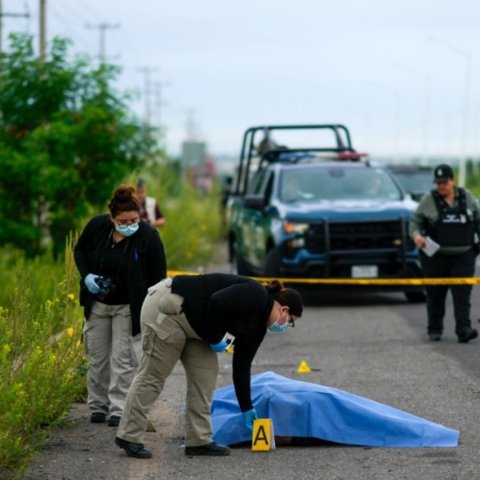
[{"x": 442, "y": 173}]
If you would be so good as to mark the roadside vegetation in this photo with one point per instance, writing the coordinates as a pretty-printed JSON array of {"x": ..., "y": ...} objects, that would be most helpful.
[
  {"x": 67, "y": 140},
  {"x": 473, "y": 178}
]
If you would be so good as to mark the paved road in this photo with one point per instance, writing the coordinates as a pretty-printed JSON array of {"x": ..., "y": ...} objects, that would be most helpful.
[{"x": 369, "y": 344}]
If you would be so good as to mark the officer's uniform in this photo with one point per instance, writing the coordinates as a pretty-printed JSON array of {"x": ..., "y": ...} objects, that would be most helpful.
[{"x": 456, "y": 229}]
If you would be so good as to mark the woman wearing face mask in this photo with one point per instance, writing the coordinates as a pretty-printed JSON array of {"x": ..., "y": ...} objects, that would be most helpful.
[
  {"x": 190, "y": 318},
  {"x": 118, "y": 258}
]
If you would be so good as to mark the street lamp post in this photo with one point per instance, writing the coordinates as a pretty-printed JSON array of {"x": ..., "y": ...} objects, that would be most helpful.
[{"x": 466, "y": 105}]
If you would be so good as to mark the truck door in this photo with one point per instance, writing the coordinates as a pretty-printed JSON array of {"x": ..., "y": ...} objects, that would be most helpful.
[{"x": 257, "y": 220}]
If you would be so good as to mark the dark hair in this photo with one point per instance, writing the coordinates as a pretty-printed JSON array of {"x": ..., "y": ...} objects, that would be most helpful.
[
  {"x": 140, "y": 183},
  {"x": 123, "y": 200},
  {"x": 286, "y": 296}
]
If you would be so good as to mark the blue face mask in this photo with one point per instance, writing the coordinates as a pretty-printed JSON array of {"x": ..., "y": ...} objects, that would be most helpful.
[
  {"x": 126, "y": 230},
  {"x": 278, "y": 327}
]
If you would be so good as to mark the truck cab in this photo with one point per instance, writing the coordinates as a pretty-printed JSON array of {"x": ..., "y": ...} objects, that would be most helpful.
[{"x": 317, "y": 210}]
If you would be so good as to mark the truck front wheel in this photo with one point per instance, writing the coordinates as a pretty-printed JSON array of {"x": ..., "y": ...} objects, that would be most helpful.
[
  {"x": 415, "y": 296},
  {"x": 237, "y": 264},
  {"x": 272, "y": 264}
]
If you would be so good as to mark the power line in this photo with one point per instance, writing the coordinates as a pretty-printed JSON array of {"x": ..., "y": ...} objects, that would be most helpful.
[{"x": 9, "y": 15}]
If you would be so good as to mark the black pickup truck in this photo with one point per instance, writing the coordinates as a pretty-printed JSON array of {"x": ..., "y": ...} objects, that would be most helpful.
[{"x": 305, "y": 204}]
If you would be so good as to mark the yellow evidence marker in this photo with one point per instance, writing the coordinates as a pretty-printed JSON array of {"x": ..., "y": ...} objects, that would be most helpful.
[
  {"x": 263, "y": 439},
  {"x": 303, "y": 367}
]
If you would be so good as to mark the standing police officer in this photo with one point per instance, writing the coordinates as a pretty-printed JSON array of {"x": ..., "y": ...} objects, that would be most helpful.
[{"x": 448, "y": 215}]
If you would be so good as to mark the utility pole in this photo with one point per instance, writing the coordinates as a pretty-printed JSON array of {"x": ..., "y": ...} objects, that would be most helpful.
[
  {"x": 43, "y": 30},
  {"x": 147, "y": 95},
  {"x": 158, "y": 100},
  {"x": 4, "y": 14},
  {"x": 158, "y": 105},
  {"x": 102, "y": 28}
]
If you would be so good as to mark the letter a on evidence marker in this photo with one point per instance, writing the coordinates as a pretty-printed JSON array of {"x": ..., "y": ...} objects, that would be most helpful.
[
  {"x": 303, "y": 367},
  {"x": 263, "y": 439}
]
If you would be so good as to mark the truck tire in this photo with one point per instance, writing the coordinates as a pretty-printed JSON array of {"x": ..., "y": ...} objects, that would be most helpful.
[
  {"x": 237, "y": 264},
  {"x": 415, "y": 296},
  {"x": 272, "y": 264}
]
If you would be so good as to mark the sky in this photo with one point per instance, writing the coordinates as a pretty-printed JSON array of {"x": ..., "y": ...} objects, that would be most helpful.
[{"x": 402, "y": 75}]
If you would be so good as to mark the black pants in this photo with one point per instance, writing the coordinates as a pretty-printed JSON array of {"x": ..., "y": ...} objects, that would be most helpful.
[{"x": 448, "y": 266}]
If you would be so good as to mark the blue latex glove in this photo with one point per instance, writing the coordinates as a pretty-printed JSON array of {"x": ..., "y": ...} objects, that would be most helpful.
[
  {"x": 221, "y": 346},
  {"x": 248, "y": 417},
  {"x": 91, "y": 284}
]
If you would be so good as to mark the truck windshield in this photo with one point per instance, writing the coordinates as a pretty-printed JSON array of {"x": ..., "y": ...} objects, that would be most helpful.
[
  {"x": 337, "y": 183},
  {"x": 415, "y": 181}
]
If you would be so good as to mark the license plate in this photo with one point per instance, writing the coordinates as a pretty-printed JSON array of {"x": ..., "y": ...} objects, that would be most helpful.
[{"x": 364, "y": 271}]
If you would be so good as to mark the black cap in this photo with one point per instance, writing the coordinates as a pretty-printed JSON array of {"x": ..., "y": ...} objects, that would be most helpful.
[{"x": 442, "y": 173}]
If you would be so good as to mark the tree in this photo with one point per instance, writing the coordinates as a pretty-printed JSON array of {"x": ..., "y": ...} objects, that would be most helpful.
[{"x": 67, "y": 139}]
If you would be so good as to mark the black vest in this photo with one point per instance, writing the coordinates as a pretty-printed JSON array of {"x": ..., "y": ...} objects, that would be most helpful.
[{"x": 455, "y": 226}]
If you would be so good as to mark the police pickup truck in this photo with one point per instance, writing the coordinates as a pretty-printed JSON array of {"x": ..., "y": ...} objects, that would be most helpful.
[{"x": 300, "y": 210}]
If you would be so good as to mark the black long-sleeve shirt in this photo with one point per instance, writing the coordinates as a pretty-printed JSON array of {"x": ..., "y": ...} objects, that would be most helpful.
[
  {"x": 218, "y": 303},
  {"x": 141, "y": 263}
]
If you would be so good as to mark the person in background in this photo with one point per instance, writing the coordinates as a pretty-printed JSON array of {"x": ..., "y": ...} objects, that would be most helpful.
[
  {"x": 118, "y": 258},
  {"x": 149, "y": 210},
  {"x": 448, "y": 215},
  {"x": 191, "y": 318}
]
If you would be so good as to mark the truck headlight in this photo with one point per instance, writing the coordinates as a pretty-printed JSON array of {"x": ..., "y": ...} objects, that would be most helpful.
[{"x": 293, "y": 227}]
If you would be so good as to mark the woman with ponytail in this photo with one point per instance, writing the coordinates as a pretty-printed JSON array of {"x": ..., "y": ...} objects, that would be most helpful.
[
  {"x": 190, "y": 318},
  {"x": 118, "y": 258}
]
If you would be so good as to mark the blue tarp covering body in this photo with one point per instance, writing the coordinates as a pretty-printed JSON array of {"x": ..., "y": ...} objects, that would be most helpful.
[{"x": 301, "y": 409}]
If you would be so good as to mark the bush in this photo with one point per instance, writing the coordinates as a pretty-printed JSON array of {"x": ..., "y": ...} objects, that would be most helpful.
[{"x": 41, "y": 355}]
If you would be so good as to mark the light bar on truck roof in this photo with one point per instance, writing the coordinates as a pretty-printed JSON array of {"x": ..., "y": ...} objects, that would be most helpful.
[{"x": 351, "y": 155}]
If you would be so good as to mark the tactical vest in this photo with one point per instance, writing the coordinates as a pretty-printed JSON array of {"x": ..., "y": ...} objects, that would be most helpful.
[{"x": 455, "y": 226}]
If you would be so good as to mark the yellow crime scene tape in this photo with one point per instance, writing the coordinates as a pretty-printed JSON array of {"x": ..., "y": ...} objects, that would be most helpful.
[{"x": 360, "y": 281}]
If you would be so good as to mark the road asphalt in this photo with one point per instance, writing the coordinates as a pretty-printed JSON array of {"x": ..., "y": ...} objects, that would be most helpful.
[{"x": 369, "y": 344}]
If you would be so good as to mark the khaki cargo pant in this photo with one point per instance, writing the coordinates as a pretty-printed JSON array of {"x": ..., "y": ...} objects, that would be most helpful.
[
  {"x": 113, "y": 356},
  {"x": 168, "y": 337}
]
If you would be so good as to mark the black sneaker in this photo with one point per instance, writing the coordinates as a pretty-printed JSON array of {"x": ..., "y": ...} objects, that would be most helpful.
[
  {"x": 467, "y": 335},
  {"x": 434, "y": 337},
  {"x": 212, "y": 449},
  {"x": 114, "y": 421},
  {"x": 98, "y": 417},
  {"x": 136, "y": 450}
]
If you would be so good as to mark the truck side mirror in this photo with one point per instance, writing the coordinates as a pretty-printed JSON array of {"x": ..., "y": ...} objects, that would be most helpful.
[{"x": 256, "y": 202}]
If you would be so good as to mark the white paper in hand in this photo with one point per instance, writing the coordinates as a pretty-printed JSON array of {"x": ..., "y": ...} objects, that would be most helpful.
[
  {"x": 430, "y": 247},
  {"x": 228, "y": 338}
]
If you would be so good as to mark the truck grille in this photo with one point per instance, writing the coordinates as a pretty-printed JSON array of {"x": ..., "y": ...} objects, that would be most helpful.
[{"x": 354, "y": 236}]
